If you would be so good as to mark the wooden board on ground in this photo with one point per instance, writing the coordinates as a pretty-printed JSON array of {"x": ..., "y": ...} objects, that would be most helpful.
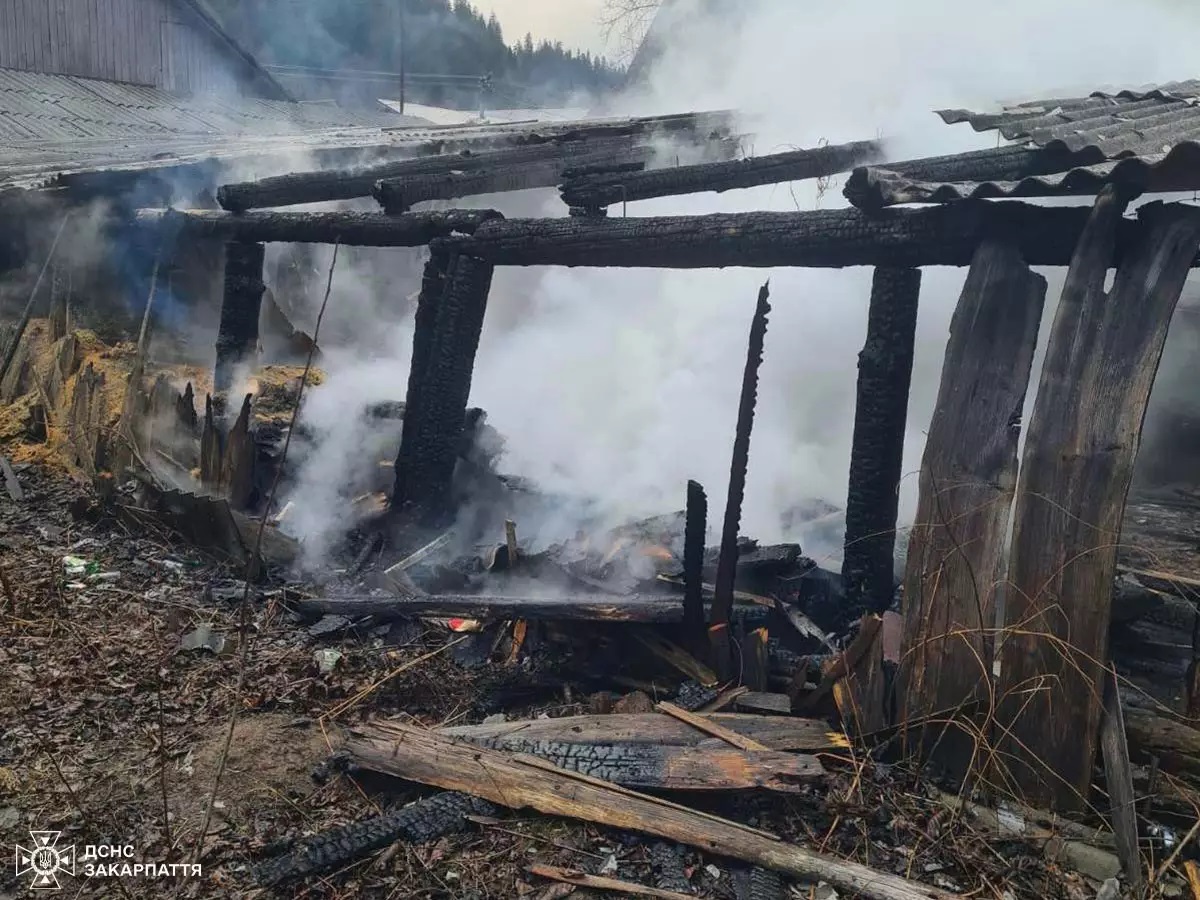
[
  {"x": 773, "y": 732},
  {"x": 429, "y": 758}
]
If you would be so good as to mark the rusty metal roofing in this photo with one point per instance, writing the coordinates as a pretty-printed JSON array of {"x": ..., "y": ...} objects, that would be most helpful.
[{"x": 1145, "y": 122}]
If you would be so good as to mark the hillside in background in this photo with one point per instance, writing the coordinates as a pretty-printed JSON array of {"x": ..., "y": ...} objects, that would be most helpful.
[{"x": 346, "y": 48}]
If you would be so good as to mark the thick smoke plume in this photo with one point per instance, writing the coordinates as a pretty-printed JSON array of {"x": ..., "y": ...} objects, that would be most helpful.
[{"x": 620, "y": 386}]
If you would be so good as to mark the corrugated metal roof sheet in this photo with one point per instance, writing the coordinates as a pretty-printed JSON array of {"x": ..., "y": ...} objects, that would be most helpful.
[
  {"x": 1179, "y": 170},
  {"x": 53, "y": 125},
  {"x": 1140, "y": 122}
]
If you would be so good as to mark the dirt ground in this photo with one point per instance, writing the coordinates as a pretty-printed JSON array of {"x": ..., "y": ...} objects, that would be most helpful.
[{"x": 122, "y": 666}]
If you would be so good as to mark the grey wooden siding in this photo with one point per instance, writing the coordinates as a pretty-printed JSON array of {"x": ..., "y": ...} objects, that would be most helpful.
[{"x": 161, "y": 43}]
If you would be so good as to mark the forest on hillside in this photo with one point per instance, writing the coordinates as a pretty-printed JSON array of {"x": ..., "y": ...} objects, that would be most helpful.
[{"x": 441, "y": 39}]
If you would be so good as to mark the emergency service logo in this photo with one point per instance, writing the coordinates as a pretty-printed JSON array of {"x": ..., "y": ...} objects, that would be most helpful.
[{"x": 45, "y": 860}]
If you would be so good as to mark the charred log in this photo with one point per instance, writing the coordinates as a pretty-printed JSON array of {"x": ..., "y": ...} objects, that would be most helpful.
[
  {"x": 669, "y": 864},
  {"x": 941, "y": 236},
  {"x": 398, "y": 195},
  {"x": 237, "y": 335},
  {"x": 647, "y": 609},
  {"x": 346, "y": 184},
  {"x": 598, "y": 191},
  {"x": 764, "y": 884},
  {"x": 422, "y": 822},
  {"x": 693, "y": 563},
  {"x": 884, "y": 374},
  {"x": 348, "y": 228},
  {"x": 445, "y": 351}
]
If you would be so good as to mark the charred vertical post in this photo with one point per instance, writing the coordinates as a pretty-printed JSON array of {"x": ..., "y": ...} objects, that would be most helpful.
[
  {"x": 693, "y": 563},
  {"x": 1101, "y": 360},
  {"x": 237, "y": 335},
  {"x": 968, "y": 479},
  {"x": 876, "y": 456},
  {"x": 727, "y": 561},
  {"x": 444, "y": 348}
]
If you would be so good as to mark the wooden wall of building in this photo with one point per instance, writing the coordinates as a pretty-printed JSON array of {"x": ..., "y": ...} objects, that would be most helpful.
[{"x": 159, "y": 43}]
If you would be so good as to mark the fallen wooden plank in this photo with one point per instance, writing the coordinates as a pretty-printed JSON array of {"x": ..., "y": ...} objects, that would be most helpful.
[
  {"x": 759, "y": 701},
  {"x": 429, "y": 758},
  {"x": 708, "y": 726},
  {"x": 661, "y": 766},
  {"x": 648, "y": 609},
  {"x": 581, "y": 879},
  {"x": 772, "y": 732}
]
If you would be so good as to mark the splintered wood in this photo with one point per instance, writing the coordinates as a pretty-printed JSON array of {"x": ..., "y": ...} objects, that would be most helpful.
[
  {"x": 433, "y": 759},
  {"x": 968, "y": 478},
  {"x": 1101, "y": 361}
]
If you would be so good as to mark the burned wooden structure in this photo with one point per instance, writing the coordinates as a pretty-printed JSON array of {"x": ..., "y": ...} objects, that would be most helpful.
[{"x": 1052, "y": 595}]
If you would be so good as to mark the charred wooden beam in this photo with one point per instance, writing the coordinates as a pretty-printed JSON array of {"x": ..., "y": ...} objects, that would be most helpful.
[
  {"x": 419, "y": 823},
  {"x": 433, "y": 421},
  {"x": 877, "y": 451},
  {"x": 599, "y": 191},
  {"x": 347, "y": 184},
  {"x": 834, "y": 238},
  {"x": 398, "y": 195},
  {"x": 237, "y": 335},
  {"x": 347, "y": 228},
  {"x": 644, "y": 608},
  {"x": 727, "y": 561},
  {"x": 967, "y": 481},
  {"x": 1103, "y": 354}
]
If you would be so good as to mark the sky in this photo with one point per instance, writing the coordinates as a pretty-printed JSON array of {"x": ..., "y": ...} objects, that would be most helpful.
[{"x": 574, "y": 22}]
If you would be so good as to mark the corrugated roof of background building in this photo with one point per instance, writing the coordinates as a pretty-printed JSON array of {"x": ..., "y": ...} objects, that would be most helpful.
[{"x": 1140, "y": 122}]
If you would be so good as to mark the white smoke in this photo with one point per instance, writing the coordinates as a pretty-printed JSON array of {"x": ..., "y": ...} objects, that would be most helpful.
[{"x": 621, "y": 385}]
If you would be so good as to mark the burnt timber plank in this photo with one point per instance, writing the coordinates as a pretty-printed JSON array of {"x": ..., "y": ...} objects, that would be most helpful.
[
  {"x": 656, "y": 609},
  {"x": 348, "y": 228},
  {"x": 1101, "y": 360},
  {"x": 834, "y": 238},
  {"x": 347, "y": 184},
  {"x": 674, "y": 768},
  {"x": 580, "y": 607},
  {"x": 237, "y": 334},
  {"x": 429, "y": 758},
  {"x": 967, "y": 482},
  {"x": 599, "y": 191},
  {"x": 773, "y": 732},
  {"x": 877, "y": 452}
]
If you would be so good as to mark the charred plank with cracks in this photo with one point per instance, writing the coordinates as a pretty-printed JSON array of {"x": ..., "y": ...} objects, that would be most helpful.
[
  {"x": 444, "y": 346},
  {"x": 423, "y": 821},
  {"x": 599, "y": 191},
  {"x": 237, "y": 335},
  {"x": 876, "y": 456},
  {"x": 727, "y": 562},
  {"x": 831, "y": 238}
]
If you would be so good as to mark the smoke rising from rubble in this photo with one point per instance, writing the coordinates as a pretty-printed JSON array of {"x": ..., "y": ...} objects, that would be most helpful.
[{"x": 621, "y": 385}]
